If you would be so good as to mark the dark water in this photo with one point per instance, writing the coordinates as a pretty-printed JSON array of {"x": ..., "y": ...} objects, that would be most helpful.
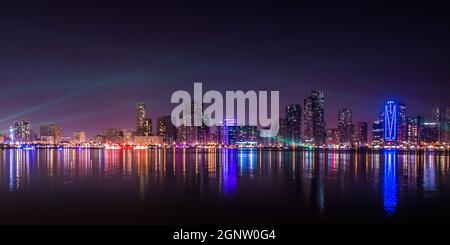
[{"x": 222, "y": 187}]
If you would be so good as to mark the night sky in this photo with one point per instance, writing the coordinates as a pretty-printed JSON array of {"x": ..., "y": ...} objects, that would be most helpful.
[{"x": 85, "y": 66}]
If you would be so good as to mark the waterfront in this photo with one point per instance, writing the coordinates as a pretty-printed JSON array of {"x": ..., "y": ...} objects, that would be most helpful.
[{"x": 228, "y": 186}]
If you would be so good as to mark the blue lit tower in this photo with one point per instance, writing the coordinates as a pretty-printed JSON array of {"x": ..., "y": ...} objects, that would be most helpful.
[
  {"x": 390, "y": 122},
  {"x": 229, "y": 132}
]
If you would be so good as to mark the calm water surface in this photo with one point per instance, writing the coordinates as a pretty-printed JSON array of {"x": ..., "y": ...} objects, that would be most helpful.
[{"x": 212, "y": 186}]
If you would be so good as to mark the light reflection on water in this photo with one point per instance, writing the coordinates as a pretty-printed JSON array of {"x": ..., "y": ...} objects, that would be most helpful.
[{"x": 323, "y": 184}]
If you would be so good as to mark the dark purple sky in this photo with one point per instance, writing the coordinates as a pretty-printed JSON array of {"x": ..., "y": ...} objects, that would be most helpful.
[{"x": 85, "y": 65}]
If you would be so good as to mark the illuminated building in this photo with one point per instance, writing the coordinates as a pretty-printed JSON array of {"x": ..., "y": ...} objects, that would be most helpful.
[
  {"x": 98, "y": 139},
  {"x": 113, "y": 136},
  {"x": 266, "y": 138},
  {"x": 2, "y": 139},
  {"x": 414, "y": 130},
  {"x": 447, "y": 124},
  {"x": 53, "y": 131},
  {"x": 148, "y": 140},
  {"x": 436, "y": 114},
  {"x": 141, "y": 116},
  {"x": 439, "y": 116},
  {"x": 314, "y": 122},
  {"x": 429, "y": 132},
  {"x": 229, "y": 132},
  {"x": 22, "y": 131},
  {"x": 293, "y": 127},
  {"x": 148, "y": 127},
  {"x": 247, "y": 133},
  {"x": 402, "y": 136},
  {"x": 203, "y": 134},
  {"x": 361, "y": 134},
  {"x": 190, "y": 134},
  {"x": 345, "y": 126},
  {"x": 377, "y": 131},
  {"x": 333, "y": 136},
  {"x": 144, "y": 124},
  {"x": 390, "y": 122},
  {"x": 282, "y": 137},
  {"x": 128, "y": 137},
  {"x": 166, "y": 129},
  {"x": 79, "y": 137},
  {"x": 33, "y": 135}
]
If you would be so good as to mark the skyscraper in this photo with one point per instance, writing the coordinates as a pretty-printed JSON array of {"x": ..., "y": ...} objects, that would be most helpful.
[
  {"x": 53, "y": 131},
  {"x": 314, "y": 122},
  {"x": 390, "y": 122},
  {"x": 414, "y": 130},
  {"x": 282, "y": 137},
  {"x": 429, "y": 132},
  {"x": 191, "y": 134},
  {"x": 436, "y": 114},
  {"x": 402, "y": 137},
  {"x": 22, "y": 131},
  {"x": 148, "y": 127},
  {"x": 229, "y": 132},
  {"x": 439, "y": 117},
  {"x": 141, "y": 119},
  {"x": 377, "y": 131},
  {"x": 345, "y": 126},
  {"x": 166, "y": 130},
  {"x": 361, "y": 134},
  {"x": 144, "y": 125},
  {"x": 447, "y": 124},
  {"x": 293, "y": 127}
]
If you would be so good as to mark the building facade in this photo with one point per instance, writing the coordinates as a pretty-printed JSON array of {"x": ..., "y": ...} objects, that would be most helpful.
[
  {"x": 51, "y": 131},
  {"x": 292, "y": 130},
  {"x": 314, "y": 120}
]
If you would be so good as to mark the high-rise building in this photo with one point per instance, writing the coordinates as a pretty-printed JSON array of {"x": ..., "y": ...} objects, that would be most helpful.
[
  {"x": 148, "y": 127},
  {"x": 402, "y": 136},
  {"x": 141, "y": 119},
  {"x": 377, "y": 131},
  {"x": 361, "y": 134},
  {"x": 429, "y": 132},
  {"x": 144, "y": 125},
  {"x": 189, "y": 133},
  {"x": 293, "y": 127},
  {"x": 414, "y": 130},
  {"x": 52, "y": 131},
  {"x": 166, "y": 130},
  {"x": 314, "y": 121},
  {"x": 203, "y": 134},
  {"x": 113, "y": 136},
  {"x": 22, "y": 131},
  {"x": 333, "y": 136},
  {"x": 282, "y": 137},
  {"x": 229, "y": 132},
  {"x": 447, "y": 124},
  {"x": 390, "y": 122},
  {"x": 247, "y": 133},
  {"x": 345, "y": 126},
  {"x": 79, "y": 137},
  {"x": 438, "y": 117}
]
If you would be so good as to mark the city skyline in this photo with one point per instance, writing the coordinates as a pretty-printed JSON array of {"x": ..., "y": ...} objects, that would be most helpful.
[{"x": 394, "y": 127}]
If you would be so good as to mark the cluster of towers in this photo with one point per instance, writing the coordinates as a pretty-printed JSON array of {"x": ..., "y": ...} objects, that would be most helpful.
[{"x": 395, "y": 127}]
